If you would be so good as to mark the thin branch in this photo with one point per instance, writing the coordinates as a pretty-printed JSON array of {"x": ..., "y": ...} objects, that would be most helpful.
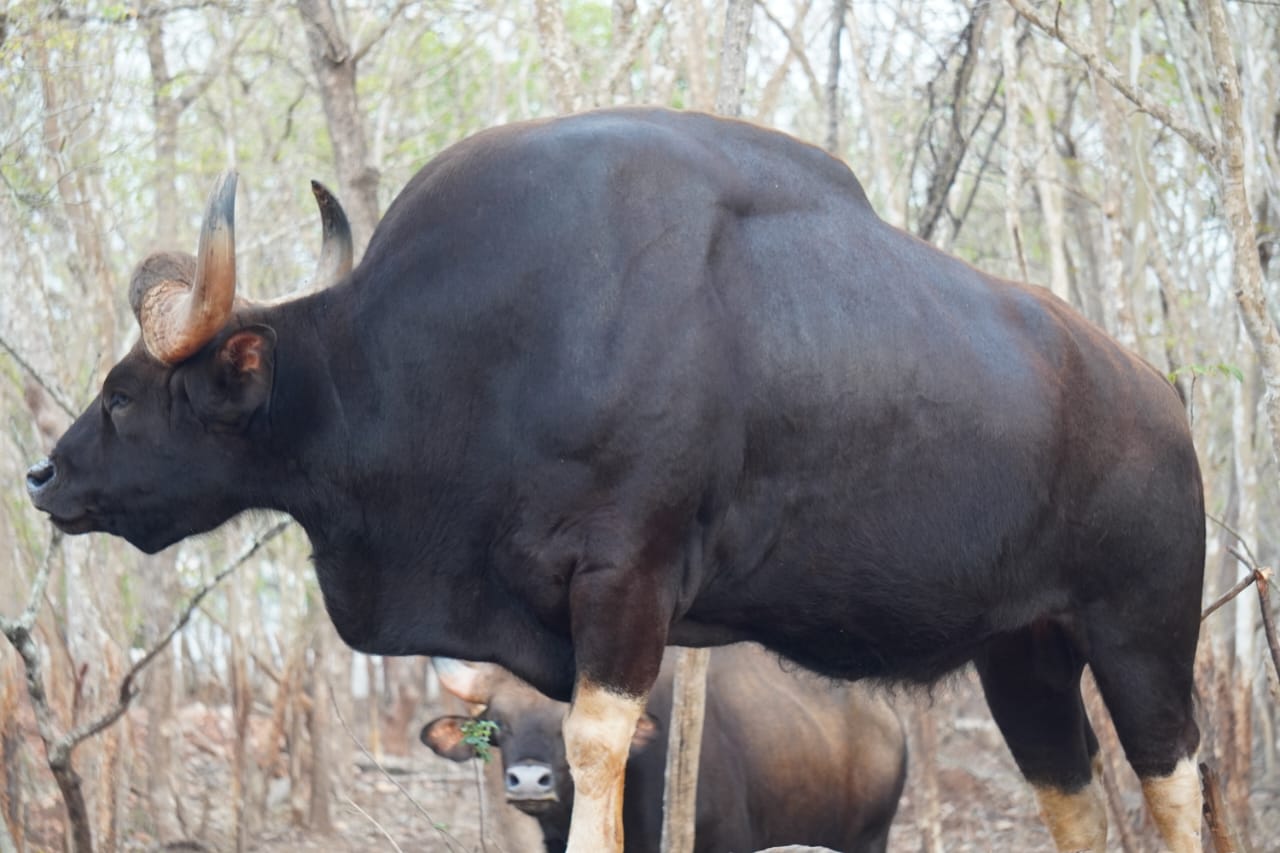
[
  {"x": 129, "y": 15},
  {"x": 267, "y": 669},
  {"x": 379, "y": 826},
  {"x": 55, "y": 395},
  {"x": 1252, "y": 561},
  {"x": 27, "y": 620},
  {"x": 957, "y": 142},
  {"x": 1174, "y": 120},
  {"x": 627, "y": 56},
  {"x": 958, "y": 220},
  {"x": 69, "y": 784},
  {"x": 1229, "y": 594},
  {"x": 389, "y": 19},
  {"x": 444, "y": 834},
  {"x": 58, "y": 747},
  {"x": 797, "y": 49},
  {"x": 183, "y": 618},
  {"x": 127, "y": 689},
  {"x": 833, "y": 77},
  {"x": 193, "y": 90},
  {"x": 1262, "y": 579},
  {"x": 1268, "y": 622}
]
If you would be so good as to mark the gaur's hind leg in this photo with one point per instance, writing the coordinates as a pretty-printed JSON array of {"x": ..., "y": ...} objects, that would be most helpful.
[
  {"x": 1143, "y": 664},
  {"x": 1031, "y": 679}
]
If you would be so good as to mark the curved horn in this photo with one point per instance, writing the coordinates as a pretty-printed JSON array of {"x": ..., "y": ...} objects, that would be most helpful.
[
  {"x": 468, "y": 681},
  {"x": 335, "y": 250},
  {"x": 177, "y": 316}
]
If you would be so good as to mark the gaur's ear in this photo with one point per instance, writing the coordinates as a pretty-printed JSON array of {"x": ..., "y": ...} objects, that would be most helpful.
[
  {"x": 229, "y": 388},
  {"x": 647, "y": 731},
  {"x": 444, "y": 736}
]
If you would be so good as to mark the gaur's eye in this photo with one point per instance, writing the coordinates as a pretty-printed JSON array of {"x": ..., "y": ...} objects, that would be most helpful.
[{"x": 117, "y": 400}]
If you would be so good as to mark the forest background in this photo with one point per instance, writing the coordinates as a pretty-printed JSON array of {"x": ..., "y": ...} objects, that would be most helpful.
[{"x": 1124, "y": 154}]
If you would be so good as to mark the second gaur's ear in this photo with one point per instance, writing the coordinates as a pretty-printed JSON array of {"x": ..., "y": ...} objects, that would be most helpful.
[
  {"x": 235, "y": 383},
  {"x": 444, "y": 736}
]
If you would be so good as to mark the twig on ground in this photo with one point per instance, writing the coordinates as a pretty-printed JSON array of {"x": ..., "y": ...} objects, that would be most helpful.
[{"x": 448, "y": 838}]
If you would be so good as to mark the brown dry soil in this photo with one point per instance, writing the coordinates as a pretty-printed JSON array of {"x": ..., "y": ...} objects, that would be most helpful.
[{"x": 983, "y": 804}]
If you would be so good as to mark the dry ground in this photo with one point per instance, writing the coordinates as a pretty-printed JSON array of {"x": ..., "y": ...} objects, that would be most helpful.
[{"x": 983, "y": 803}]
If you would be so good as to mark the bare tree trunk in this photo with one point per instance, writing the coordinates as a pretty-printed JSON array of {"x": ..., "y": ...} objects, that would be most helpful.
[
  {"x": 1237, "y": 765},
  {"x": 405, "y": 687},
  {"x": 7, "y": 842},
  {"x": 731, "y": 81},
  {"x": 959, "y": 133},
  {"x": 696, "y": 55},
  {"x": 64, "y": 773},
  {"x": 13, "y": 775},
  {"x": 373, "y": 703},
  {"x": 1114, "y": 283},
  {"x": 624, "y": 14},
  {"x": 319, "y": 813},
  {"x": 167, "y": 108},
  {"x": 334, "y": 61},
  {"x": 160, "y": 695},
  {"x": 165, "y": 111},
  {"x": 1247, "y": 266},
  {"x": 930, "y": 819},
  {"x": 88, "y": 261},
  {"x": 684, "y": 747},
  {"x": 241, "y": 702},
  {"x": 1048, "y": 178},
  {"x": 833, "y": 76},
  {"x": 1010, "y": 59},
  {"x": 558, "y": 55}
]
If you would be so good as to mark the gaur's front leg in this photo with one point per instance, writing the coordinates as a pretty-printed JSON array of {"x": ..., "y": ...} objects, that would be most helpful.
[{"x": 619, "y": 619}]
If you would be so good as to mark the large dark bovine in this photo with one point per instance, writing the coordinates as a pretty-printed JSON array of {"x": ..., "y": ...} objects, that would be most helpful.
[
  {"x": 636, "y": 377},
  {"x": 787, "y": 758}
]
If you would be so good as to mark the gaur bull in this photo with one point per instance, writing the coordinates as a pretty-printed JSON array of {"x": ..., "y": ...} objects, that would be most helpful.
[{"x": 631, "y": 378}]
